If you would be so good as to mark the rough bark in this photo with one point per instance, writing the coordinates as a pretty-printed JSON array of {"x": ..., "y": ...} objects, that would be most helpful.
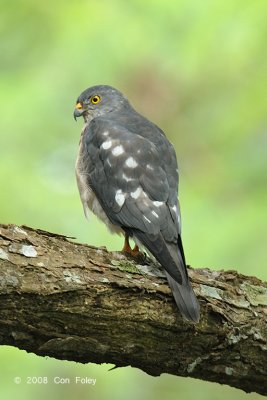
[{"x": 77, "y": 302}]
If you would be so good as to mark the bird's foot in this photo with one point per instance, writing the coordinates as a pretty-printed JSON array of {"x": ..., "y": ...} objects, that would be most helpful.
[{"x": 135, "y": 253}]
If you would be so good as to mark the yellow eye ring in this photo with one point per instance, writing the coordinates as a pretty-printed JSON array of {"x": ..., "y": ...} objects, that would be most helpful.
[{"x": 95, "y": 99}]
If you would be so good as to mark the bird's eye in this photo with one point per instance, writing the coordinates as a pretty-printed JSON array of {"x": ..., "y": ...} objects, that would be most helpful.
[{"x": 95, "y": 99}]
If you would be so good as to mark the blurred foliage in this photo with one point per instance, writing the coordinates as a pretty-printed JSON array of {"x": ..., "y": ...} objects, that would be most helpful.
[{"x": 195, "y": 67}]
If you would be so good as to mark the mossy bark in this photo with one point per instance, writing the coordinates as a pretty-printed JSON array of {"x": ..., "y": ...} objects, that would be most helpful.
[{"x": 77, "y": 302}]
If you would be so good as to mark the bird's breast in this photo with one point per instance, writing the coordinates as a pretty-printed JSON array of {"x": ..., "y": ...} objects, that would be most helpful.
[{"x": 87, "y": 195}]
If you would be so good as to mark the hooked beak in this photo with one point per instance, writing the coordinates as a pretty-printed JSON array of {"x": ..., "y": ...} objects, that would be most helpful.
[{"x": 79, "y": 111}]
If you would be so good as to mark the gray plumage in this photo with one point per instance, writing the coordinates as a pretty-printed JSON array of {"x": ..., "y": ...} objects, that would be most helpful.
[{"x": 127, "y": 175}]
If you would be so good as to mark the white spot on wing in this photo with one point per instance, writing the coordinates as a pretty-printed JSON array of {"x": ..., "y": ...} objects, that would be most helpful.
[
  {"x": 136, "y": 193},
  {"x": 158, "y": 203},
  {"x": 118, "y": 150},
  {"x": 105, "y": 133},
  {"x": 174, "y": 208},
  {"x": 154, "y": 213},
  {"x": 127, "y": 178},
  {"x": 150, "y": 167},
  {"x": 131, "y": 163},
  {"x": 119, "y": 197},
  {"x": 148, "y": 220},
  {"x": 106, "y": 145}
]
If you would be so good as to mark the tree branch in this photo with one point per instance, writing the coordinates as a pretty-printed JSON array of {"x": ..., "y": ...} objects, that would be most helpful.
[{"x": 77, "y": 302}]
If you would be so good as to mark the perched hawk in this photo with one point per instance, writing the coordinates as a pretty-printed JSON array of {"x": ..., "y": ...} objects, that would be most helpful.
[{"x": 127, "y": 175}]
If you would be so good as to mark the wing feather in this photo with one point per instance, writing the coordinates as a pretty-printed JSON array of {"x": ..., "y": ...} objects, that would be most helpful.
[{"x": 135, "y": 178}]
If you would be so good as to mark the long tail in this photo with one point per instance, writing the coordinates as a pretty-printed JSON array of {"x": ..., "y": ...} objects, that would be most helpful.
[
  {"x": 183, "y": 293},
  {"x": 171, "y": 257},
  {"x": 185, "y": 299}
]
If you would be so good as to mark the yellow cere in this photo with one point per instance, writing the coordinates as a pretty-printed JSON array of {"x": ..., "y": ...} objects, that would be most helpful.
[{"x": 78, "y": 106}]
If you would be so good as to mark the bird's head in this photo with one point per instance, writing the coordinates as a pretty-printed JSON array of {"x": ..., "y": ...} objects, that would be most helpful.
[{"x": 97, "y": 101}]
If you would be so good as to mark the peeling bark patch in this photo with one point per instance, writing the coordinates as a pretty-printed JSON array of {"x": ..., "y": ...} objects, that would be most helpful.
[
  {"x": 257, "y": 295},
  {"x": 3, "y": 255},
  {"x": 210, "y": 291},
  {"x": 151, "y": 270},
  {"x": 28, "y": 251},
  {"x": 70, "y": 277},
  {"x": 8, "y": 281},
  {"x": 24, "y": 249},
  {"x": 191, "y": 367},
  {"x": 104, "y": 280},
  {"x": 256, "y": 334},
  {"x": 239, "y": 302},
  {"x": 233, "y": 339},
  {"x": 17, "y": 229}
]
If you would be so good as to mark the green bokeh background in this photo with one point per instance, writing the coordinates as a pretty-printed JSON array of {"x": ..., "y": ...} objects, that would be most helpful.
[{"x": 197, "y": 68}]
